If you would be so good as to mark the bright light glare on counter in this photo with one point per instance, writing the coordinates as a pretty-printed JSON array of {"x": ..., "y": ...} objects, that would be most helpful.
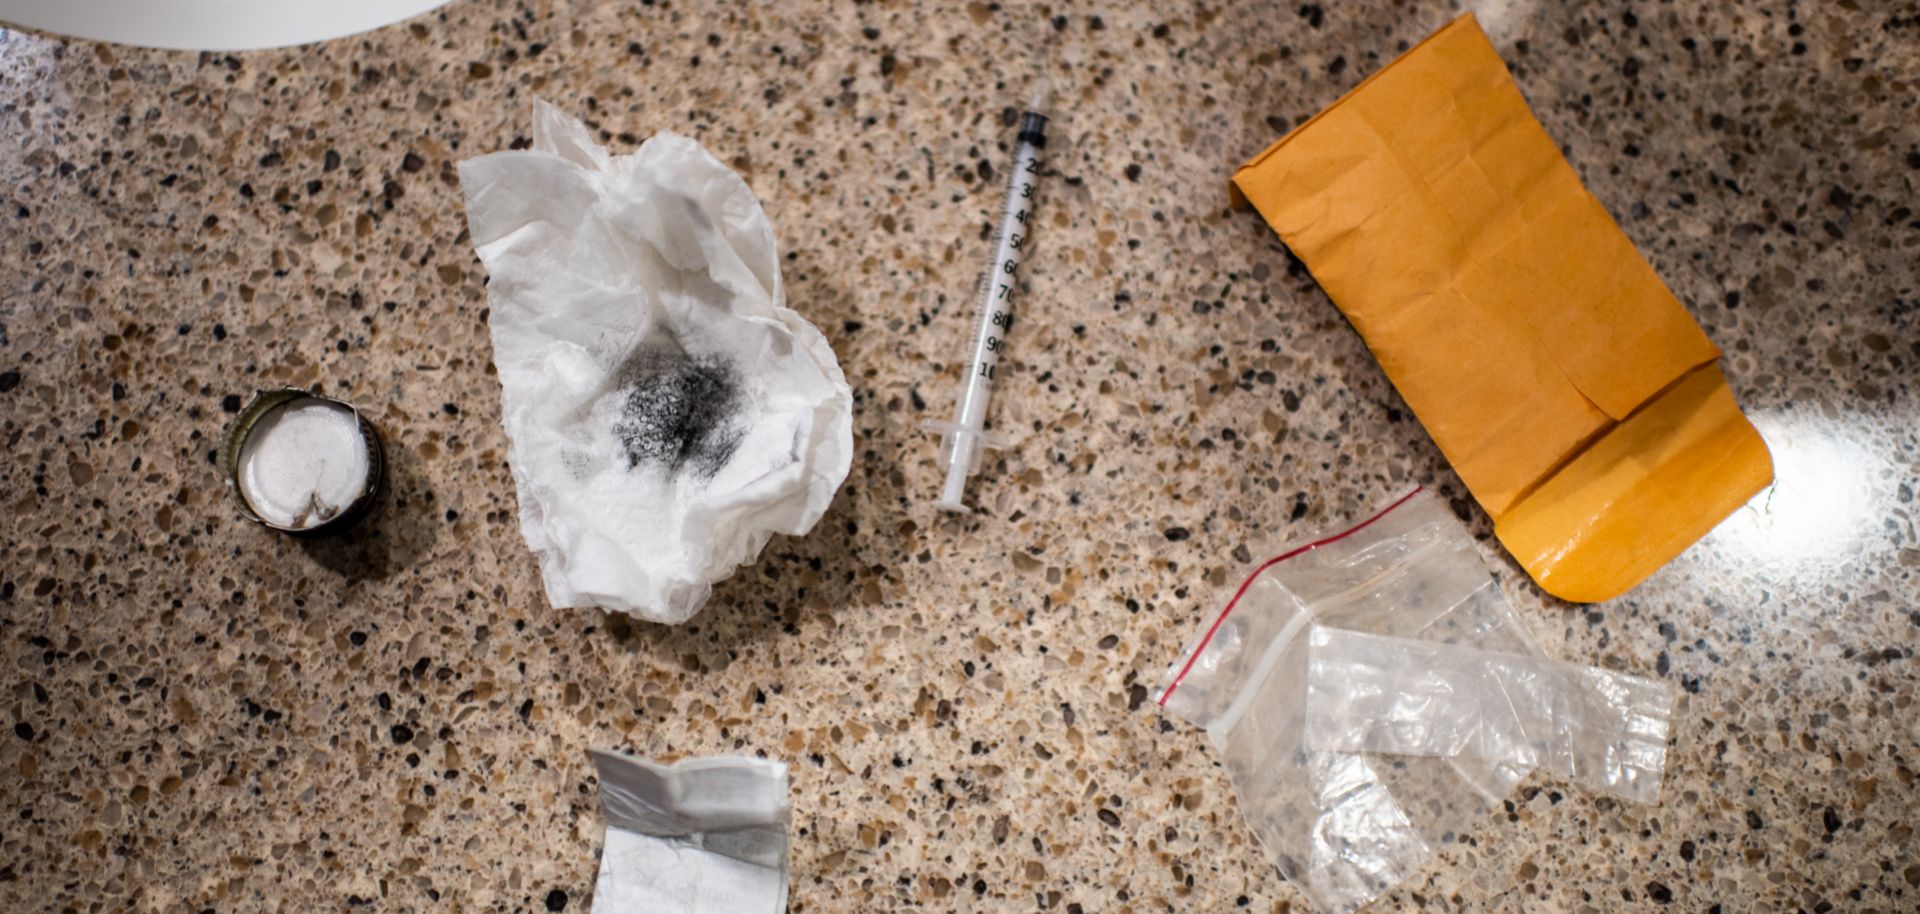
[{"x": 1828, "y": 484}]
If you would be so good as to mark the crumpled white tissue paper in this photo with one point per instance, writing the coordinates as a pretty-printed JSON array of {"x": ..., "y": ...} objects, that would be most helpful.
[{"x": 666, "y": 412}]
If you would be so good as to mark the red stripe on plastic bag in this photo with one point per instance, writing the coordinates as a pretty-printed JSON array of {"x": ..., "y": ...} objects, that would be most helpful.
[{"x": 1324, "y": 541}]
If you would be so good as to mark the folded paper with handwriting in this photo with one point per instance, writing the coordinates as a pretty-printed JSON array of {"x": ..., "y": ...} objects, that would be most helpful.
[{"x": 1570, "y": 390}]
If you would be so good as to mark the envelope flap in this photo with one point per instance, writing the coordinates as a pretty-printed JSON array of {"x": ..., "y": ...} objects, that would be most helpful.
[{"x": 1641, "y": 494}]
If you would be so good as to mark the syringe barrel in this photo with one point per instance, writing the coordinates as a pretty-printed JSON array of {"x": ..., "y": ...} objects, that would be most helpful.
[
  {"x": 964, "y": 438},
  {"x": 998, "y": 288}
]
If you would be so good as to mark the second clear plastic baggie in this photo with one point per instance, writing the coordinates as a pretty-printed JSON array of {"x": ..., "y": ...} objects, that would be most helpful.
[{"x": 1346, "y": 827}]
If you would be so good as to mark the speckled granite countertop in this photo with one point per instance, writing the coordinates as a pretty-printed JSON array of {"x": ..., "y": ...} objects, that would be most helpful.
[{"x": 208, "y": 716}]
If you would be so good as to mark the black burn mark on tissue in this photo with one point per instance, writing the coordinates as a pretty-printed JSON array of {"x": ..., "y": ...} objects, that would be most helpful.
[{"x": 678, "y": 411}]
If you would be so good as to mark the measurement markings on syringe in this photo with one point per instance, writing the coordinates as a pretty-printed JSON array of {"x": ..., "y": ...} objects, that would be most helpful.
[{"x": 999, "y": 303}]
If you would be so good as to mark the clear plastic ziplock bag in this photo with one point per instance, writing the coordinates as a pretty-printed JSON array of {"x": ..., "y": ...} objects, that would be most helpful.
[
  {"x": 1603, "y": 730},
  {"x": 1345, "y": 827}
]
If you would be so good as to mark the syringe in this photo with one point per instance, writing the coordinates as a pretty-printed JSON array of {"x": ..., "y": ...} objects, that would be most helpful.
[{"x": 963, "y": 440}]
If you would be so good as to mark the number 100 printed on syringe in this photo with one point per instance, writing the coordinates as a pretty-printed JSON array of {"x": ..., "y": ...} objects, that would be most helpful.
[{"x": 963, "y": 440}]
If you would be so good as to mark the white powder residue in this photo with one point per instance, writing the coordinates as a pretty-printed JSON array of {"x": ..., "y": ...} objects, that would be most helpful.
[{"x": 303, "y": 463}]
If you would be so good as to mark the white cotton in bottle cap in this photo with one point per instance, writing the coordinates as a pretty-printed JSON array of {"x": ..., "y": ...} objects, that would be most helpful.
[
  {"x": 666, "y": 412},
  {"x": 303, "y": 463}
]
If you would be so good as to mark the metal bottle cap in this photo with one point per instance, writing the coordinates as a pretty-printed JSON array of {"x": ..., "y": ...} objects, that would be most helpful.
[{"x": 262, "y": 404}]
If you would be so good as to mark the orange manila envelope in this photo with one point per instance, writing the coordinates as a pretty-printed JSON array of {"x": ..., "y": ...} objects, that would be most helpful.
[{"x": 1570, "y": 390}]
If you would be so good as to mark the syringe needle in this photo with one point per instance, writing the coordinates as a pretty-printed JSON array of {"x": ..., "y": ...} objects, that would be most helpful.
[{"x": 1042, "y": 97}]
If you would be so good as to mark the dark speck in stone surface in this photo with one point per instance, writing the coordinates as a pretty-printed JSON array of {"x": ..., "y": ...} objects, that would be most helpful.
[
  {"x": 230, "y": 403},
  {"x": 1176, "y": 534},
  {"x": 556, "y": 900},
  {"x": 1659, "y": 892},
  {"x": 1754, "y": 821},
  {"x": 9, "y": 380},
  {"x": 401, "y": 734}
]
